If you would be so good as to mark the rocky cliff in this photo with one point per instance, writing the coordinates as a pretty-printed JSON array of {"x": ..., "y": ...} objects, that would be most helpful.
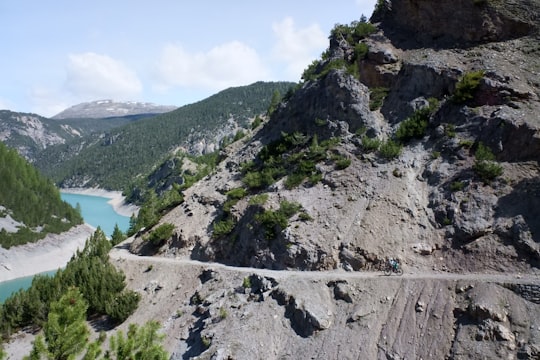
[{"x": 422, "y": 145}]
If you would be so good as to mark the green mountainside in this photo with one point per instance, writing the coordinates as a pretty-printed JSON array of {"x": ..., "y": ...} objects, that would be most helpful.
[
  {"x": 30, "y": 134},
  {"x": 31, "y": 200},
  {"x": 114, "y": 159}
]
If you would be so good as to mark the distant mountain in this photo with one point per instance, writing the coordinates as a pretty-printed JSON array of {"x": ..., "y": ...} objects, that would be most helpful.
[
  {"x": 30, "y": 205},
  {"x": 114, "y": 159},
  {"x": 109, "y": 108},
  {"x": 31, "y": 133}
]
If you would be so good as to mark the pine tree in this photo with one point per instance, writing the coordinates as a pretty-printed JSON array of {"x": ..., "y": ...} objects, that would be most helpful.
[
  {"x": 141, "y": 343},
  {"x": 117, "y": 236},
  {"x": 66, "y": 332}
]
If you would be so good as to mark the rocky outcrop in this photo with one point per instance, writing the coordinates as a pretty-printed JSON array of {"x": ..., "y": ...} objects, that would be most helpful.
[
  {"x": 31, "y": 133},
  {"x": 451, "y": 23}
]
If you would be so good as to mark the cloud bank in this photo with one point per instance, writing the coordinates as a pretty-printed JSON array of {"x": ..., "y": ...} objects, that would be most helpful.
[
  {"x": 229, "y": 64},
  {"x": 94, "y": 76},
  {"x": 297, "y": 48}
]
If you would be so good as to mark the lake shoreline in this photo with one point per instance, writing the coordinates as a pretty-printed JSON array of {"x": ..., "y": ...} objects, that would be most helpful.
[
  {"x": 117, "y": 200},
  {"x": 51, "y": 253},
  {"x": 55, "y": 250}
]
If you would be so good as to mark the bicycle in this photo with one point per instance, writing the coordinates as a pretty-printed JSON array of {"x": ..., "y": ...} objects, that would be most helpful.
[{"x": 392, "y": 266}]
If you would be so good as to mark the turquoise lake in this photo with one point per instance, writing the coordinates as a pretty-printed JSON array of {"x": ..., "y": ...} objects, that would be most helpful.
[{"x": 96, "y": 212}]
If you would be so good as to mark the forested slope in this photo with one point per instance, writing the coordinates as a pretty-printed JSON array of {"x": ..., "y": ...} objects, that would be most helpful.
[
  {"x": 113, "y": 160},
  {"x": 31, "y": 200}
]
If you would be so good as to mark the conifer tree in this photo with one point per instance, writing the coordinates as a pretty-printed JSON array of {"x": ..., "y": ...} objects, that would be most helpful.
[
  {"x": 117, "y": 236},
  {"x": 65, "y": 332}
]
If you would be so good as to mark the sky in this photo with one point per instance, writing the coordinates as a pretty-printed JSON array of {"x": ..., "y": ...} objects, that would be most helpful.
[{"x": 60, "y": 53}]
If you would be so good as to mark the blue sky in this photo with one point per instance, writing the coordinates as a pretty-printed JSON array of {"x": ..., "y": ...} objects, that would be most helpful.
[{"x": 60, "y": 53}]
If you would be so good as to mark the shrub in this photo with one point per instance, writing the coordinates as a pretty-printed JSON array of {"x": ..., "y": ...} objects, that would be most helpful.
[
  {"x": 370, "y": 144},
  {"x": 223, "y": 227},
  {"x": 236, "y": 193},
  {"x": 258, "y": 199},
  {"x": 239, "y": 135},
  {"x": 466, "y": 143},
  {"x": 485, "y": 166},
  {"x": 321, "y": 122},
  {"x": 343, "y": 163},
  {"x": 253, "y": 180},
  {"x": 483, "y": 153},
  {"x": 256, "y": 122},
  {"x": 310, "y": 73},
  {"x": 361, "y": 50},
  {"x": 122, "y": 306},
  {"x": 275, "y": 221},
  {"x": 466, "y": 86},
  {"x": 290, "y": 156},
  {"x": 415, "y": 126},
  {"x": 450, "y": 130},
  {"x": 246, "y": 283},
  {"x": 457, "y": 186},
  {"x": 487, "y": 170},
  {"x": 390, "y": 149},
  {"x": 294, "y": 179},
  {"x": 315, "y": 178},
  {"x": 206, "y": 341},
  {"x": 376, "y": 97},
  {"x": 304, "y": 216},
  {"x": 289, "y": 208},
  {"x": 159, "y": 235},
  {"x": 222, "y": 313}
]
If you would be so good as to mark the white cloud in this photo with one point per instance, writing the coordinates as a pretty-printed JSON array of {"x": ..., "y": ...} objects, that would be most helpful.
[
  {"x": 5, "y": 104},
  {"x": 93, "y": 76},
  {"x": 45, "y": 101},
  {"x": 297, "y": 47},
  {"x": 226, "y": 65}
]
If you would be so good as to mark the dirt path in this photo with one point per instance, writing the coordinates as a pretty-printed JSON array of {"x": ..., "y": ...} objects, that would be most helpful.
[{"x": 121, "y": 253}]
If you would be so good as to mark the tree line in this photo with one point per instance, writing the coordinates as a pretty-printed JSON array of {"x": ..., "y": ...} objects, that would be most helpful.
[
  {"x": 32, "y": 200},
  {"x": 100, "y": 283}
]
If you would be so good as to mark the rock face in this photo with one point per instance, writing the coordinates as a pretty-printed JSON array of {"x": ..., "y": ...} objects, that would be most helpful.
[
  {"x": 445, "y": 203},
  {"x": 30, "y": 133},
  {"x": 457, "y": 22}
]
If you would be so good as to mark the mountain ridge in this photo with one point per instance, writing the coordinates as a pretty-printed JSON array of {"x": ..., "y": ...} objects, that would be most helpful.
[
  {"x": 109, "y": 108},
  {"x": 115, "y": 158}
]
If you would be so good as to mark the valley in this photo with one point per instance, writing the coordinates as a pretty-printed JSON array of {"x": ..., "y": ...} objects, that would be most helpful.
[{"x": 268, "y": 212}]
